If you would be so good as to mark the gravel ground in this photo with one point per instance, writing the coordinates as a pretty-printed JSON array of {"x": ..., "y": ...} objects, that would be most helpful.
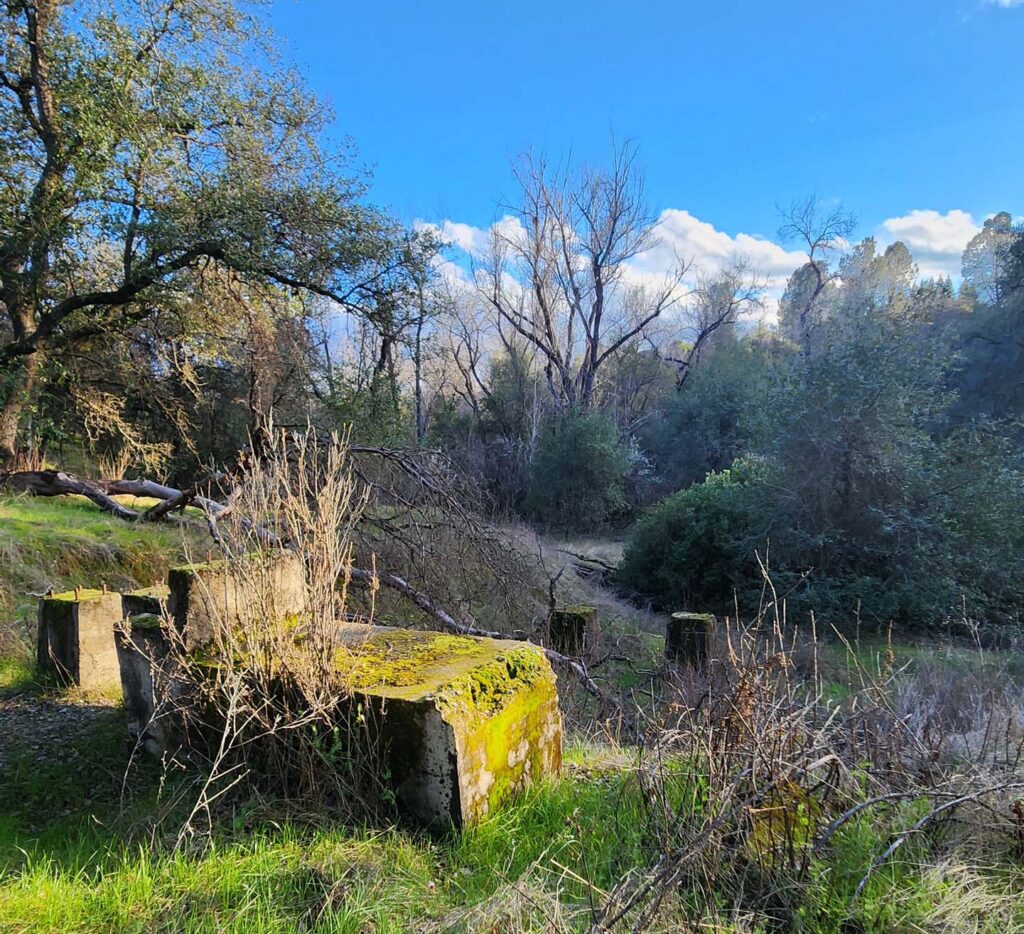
[{"x": 49, "y": 728}]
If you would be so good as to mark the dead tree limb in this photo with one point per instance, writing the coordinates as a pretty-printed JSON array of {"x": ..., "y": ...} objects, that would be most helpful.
[{"x": 58, "y": 483}]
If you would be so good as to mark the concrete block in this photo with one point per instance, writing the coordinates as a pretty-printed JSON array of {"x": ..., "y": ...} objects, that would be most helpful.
[
  {"x": 143, "y": 655},
  {"x": 148, "y": 600},
  {"x": 270, "y": 585},
  {"x": 574, "y": 630},
  {"x": 463, "y": 724},
  {"x": 688, "y": 638},
  {"x": 76, "y": 637}
]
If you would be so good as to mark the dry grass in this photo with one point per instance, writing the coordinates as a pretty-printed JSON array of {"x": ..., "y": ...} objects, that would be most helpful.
[
  {"x": 754, "y": 778},
  {"x": 259, "y": 703}
]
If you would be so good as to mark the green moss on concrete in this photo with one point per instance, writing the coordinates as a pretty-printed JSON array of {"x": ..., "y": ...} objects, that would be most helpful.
[
  {"x": 486, "y": 689},
  {"x": 146, "y": 621},
  {"x": 404, "y": 663},
  {"x": 157, "y": 590},
  {"x": 497, "y": 697},
  {"x": 79, "y": 596},
  {"x": 504, "y": 712},
  {"x": 221, "y": 564},
  {"x": 580, "y": 609}
]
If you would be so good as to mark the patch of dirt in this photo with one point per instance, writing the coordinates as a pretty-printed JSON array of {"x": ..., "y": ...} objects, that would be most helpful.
[{"x": 50, "y": 729}]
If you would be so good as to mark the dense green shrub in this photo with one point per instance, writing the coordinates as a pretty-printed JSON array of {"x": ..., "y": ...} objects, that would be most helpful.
[
  {"x": 580, "y": 468},
  {"x": 718, "y": 416},
  {"x": 942, "y": 545},
  {"x": 698, "y": 547}
]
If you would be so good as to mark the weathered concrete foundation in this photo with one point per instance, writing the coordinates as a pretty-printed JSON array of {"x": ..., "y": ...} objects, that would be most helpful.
[
  {"x": 463, "y": 724},
  {"x": 76, "y": 637},
  {"x": 688, "y": 638},
  {"x": 203, "y": 596},
  {"x": 574, "y": 630},
  {"x": 148, "y": 600},
  {"x": 457, "y": 724}
]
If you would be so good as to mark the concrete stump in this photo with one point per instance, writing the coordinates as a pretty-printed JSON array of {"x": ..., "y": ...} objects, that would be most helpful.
[
  {"x": 688, "y": 638},
  {"x": 573, "y": 630},
  {"x": 463, "y": 724},
  {"x": 143, "y": 654},
  {"x": 264, "y": 586},
  {"x": 76, "y": 637},
  {"x": 152, "y": 600}
]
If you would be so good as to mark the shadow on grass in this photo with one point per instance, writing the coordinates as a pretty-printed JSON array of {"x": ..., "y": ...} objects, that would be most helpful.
[{"x": 71, "y": 777}]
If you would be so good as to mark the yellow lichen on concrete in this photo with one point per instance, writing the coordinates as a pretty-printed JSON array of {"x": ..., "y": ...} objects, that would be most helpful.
[{"x": 495, "y": 701}]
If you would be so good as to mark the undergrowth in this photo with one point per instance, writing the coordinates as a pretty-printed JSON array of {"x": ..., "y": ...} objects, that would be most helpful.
[{"x": 795, "y": 785}]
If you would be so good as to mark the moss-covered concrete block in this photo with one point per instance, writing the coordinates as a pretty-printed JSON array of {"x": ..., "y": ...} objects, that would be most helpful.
[
  {"x": 688, "y": 638},
  {"x": 573, "y": 630},
  {"x": 238, "y": 593},
  {"x": 76, "y": 637},
  {"x": 463, "y": 723},
  {"x": 148, "y": 600}
]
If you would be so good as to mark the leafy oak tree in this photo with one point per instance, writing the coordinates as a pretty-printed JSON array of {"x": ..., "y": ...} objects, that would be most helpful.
[{"x": 142, "y": 143}]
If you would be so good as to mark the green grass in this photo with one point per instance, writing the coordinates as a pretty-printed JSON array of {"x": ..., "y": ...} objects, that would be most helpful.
[
  {"x": 67, "y": 541},
  {"x": 71, "y": 859},
  {"x": 16, "y": 674}
]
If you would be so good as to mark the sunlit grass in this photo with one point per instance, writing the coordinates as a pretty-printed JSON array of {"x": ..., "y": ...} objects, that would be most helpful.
[{"x": 66, "y": 541}]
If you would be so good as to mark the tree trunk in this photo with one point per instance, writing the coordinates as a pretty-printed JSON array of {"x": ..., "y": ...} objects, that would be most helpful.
[
  {"x": 418, "y": 377},
  {"x": 14, "y": 406}
]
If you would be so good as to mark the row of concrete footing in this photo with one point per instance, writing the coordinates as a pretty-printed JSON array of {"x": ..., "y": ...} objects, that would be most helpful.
[{"x": 468, "y": 724}]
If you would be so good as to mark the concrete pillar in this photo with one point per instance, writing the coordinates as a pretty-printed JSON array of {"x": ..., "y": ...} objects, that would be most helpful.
[
  {"x": 147, "y": 600},
  {"x": 573, "y": 630},
  {"x": 76, "y": 637},
  {"x": 203, "y": 596},
  {"x": 462, "y": 724},
  {"x": 688, "y": 638}
]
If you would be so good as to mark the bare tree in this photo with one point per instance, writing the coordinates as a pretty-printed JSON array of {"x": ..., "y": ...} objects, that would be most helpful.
[
  {"x": 718, "y": 300},
  {"x": 823, "y": 233},
  {"x": 557, "y": 271}
]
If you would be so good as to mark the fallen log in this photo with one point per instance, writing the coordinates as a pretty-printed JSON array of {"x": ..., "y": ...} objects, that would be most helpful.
[
  {"x": 170, "y": 497},
  {"x": 59, "y": 483},
  {"x": 588, "y": 567}
]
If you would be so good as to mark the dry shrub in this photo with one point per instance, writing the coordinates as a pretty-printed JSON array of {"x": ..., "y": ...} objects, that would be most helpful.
[
  {"x": 267, "y": 708},
  {"x": 526, "y": 906},
  {"x": 749, "y": 772}
]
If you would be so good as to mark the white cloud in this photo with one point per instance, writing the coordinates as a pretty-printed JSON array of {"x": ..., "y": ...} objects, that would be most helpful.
[
  {"x": 936, "y": 241},
  {"x": 709, "y": 249},
  {"x": 476, "y": 240},
  {"x": 680, "y": 236},
  {"x": 1005, "y": 4}
]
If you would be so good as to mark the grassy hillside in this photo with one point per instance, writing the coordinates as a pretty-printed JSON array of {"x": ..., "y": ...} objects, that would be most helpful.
[{"x": 64, "y": 542}]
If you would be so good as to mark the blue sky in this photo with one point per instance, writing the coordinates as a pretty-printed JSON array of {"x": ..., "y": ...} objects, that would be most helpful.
[{"x": 891, "y": 107}]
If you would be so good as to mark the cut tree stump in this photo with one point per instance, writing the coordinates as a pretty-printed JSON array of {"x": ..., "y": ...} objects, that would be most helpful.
[
  {"x": 688, "y": 638},
  {"x": 76, "y": 637},
  {"x": 573, "y": 630}
]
